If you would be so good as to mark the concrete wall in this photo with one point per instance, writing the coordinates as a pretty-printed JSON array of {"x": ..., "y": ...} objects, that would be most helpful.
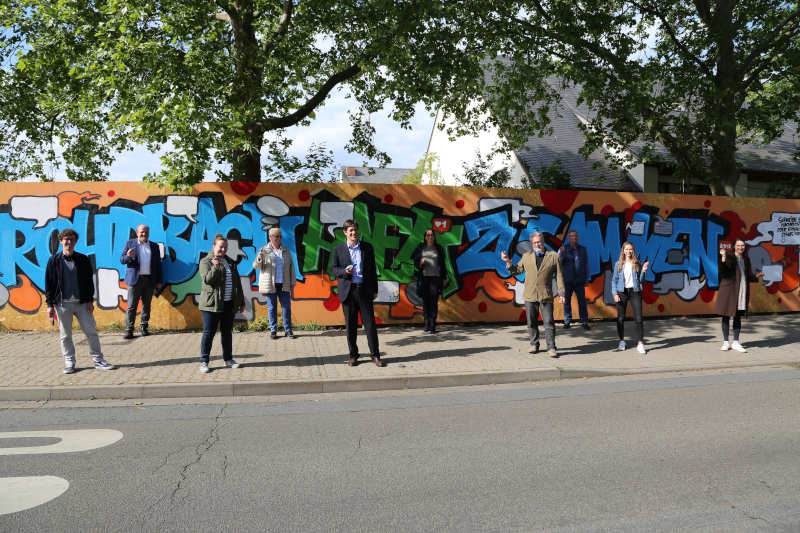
[{"x": 678, "y": 234}]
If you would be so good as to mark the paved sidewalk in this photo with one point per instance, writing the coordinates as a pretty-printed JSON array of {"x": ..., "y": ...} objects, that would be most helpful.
[{"x": 167, "y": 364}]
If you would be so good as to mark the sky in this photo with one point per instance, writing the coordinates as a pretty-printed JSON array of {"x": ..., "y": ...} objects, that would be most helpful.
[{"x": 331, "y": 126}]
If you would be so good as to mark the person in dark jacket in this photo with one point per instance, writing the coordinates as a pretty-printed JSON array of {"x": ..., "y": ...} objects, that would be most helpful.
[
  {"x": 69, "y": 291},
  {"x": 357, "y": 281},
  {"x": 575, "y": 269},
  {"x": 221, "y": 296},
  {"x": 429, "y": 262},
  {"x": 733, "y": 296},
  {"x": 143, "y": 277}
]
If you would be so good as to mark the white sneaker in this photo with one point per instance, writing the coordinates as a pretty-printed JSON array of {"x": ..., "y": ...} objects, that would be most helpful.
[
  {"x": 204, "y": 368},
  {"x": 641, "y": 349},
  {"x": 621, "y": 346},
  {"x": 725, "y": 346},
  {"x": 69, "y": 366},
  {"x": 738, "y": 347},
  {"x": 231, "y": 363}
]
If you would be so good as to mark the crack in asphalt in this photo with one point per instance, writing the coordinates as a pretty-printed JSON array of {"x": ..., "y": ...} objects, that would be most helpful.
[{"x": 200, "y": 450}]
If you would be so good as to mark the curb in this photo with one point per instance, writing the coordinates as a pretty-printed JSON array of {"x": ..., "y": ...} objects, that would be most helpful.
[{"x": 274, "y": 388}]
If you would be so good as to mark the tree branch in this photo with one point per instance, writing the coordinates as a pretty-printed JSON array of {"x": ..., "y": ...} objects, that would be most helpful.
[
  {"x": 673, "y": 36},
  {"x": 704, "y": 11},
  {"x": 280, "y": 30},
  {"x": 274, "y": 123},
  {"x": 772, "y": 41}
]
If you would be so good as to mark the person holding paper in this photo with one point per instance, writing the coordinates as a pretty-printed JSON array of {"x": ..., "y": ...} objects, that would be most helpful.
[{"x": 733, "y": 296}]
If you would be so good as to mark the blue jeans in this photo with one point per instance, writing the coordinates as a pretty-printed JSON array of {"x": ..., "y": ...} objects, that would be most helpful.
[
  {"x": 580, "y": 291},
  {"x": 64, "y": 313},
  {"x": 210, "y": 322},
  {"x": 286, "y": 308}
]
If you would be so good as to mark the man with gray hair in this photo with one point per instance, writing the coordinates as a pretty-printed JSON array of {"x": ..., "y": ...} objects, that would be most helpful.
[
  {"x": 143, "y": 276},
  {"x": 539, "y": 267}
]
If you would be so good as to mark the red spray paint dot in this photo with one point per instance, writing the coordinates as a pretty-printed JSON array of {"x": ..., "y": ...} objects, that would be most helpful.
[
  {"x": 304, "y": 195},
  {"x": 772, "y": 289},
  {"x": 607, "y": 210},
  {"x": 660, "y": 308},
  {"x": 482, "y": 307},
  {"x": 459, "y": 203},
  {"x": 706, "y": 294},
  {"x": 780, "y": 300},
  {"x": 111, "y": 193},
  {"x": 244, "y": 187},
  {"x": 707, "y": 204},
  {"x": 388, "y": 199},
  {"x": 637, "y": 205},
  {"x": 332, "y": 303}
]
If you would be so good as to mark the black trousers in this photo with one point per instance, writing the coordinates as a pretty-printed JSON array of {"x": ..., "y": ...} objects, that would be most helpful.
[
  {"x": 635, "y": 298},
  {"x": 355, "y": 303},
  {"x": 737, "y": 325},
  {"x": 142, "y": 290},
  {"x": 430, "y": 301}
]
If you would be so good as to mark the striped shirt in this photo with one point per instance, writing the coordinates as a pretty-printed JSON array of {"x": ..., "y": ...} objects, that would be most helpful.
[{"x": 228, "y": 281}]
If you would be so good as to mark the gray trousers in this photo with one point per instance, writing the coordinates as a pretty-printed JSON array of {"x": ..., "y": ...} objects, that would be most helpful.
[
  {"x": 142, "y": 290},
  {"x": 64, "y": 313},
  {"x": 532, "y": 310}
]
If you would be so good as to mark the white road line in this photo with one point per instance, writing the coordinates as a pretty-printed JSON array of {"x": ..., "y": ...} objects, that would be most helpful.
[
  {"x": 72, "y": 440},
  {"x": 20, "y": 493}
]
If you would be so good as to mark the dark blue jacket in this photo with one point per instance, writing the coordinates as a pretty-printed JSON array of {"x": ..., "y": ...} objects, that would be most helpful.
[
  {"x": 132, "y": 273},
  {"x": 53, "y": 278},
  {"x": 575, "y": 265}
]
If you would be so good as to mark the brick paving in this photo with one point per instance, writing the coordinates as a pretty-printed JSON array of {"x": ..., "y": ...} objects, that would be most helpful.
[{"x": 32, "y": 359}]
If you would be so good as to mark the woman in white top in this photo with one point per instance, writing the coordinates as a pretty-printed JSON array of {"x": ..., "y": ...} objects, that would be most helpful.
[
  {"x": 626, "y": 285},
  {"x": 276, "y": 279}
]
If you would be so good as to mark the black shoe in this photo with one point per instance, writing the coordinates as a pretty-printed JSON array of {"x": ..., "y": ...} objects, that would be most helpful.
[
  {"x": 144, "y": 331},
  {"x": 273, "y": 334},
  {"x": 290, "y": 335},
  {"x": 431, "y": 330},
  {"x": 586, "y": 326},
  {"x": 567, "y": 325},
  {"x": 128, "y": 334}
]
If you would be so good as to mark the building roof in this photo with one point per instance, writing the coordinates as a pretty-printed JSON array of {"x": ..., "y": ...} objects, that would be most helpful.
[
  {"x": 564, "y": 144},
  {"x": 348, "y": 174}
]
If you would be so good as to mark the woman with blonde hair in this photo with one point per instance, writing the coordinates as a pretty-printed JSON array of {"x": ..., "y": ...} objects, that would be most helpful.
[
  {"x": 276, "y": 279},
  {"x": 626, "y": 284},
  {"x": 220, "y": 297}
]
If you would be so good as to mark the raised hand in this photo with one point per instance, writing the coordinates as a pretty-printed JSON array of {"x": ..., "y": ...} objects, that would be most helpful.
[
  {"x": 645, "y": 266},
  {"x": 504, "y": 256},
  {"x": 131, "y": 253}
]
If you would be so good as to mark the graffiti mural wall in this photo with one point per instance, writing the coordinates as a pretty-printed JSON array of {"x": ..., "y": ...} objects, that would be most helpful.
[{"x": 679, "y": 235}]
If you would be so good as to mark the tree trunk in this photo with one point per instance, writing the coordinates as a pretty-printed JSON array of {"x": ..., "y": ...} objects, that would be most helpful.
[
  {"x": 724, "y": 171},
  {"x": 246, "y": 162}
]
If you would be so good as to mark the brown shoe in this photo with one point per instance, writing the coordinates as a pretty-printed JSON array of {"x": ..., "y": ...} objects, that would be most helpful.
[
  {"x": 378, "y": 362},
  {"x": 534, "y": 349},
  {"x": 352, "y": 361},
  {"x": 552, "y": 353}
]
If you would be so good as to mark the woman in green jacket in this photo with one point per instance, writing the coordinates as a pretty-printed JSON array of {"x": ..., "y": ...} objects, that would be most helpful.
[{"x": 220, "y": 297}]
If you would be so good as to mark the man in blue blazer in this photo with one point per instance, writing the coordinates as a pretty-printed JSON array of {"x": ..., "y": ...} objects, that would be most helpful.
[
  {"x": 143, "y": 276},
  {"x": 575, "y": 269},
  {"x": 357, "y": 275}
]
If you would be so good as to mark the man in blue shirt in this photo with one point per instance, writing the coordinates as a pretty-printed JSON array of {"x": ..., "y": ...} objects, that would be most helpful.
[
  {"x": 143, "y": 277},
  {"x": 354, "y": 268},
  {"x": 575, "y": 268}
]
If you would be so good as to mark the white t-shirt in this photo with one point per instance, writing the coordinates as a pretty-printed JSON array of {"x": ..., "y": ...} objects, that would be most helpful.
[{"x": 627, "y": 273}]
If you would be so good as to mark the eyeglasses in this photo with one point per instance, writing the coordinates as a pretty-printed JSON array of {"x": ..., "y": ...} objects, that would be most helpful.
[{"x": 276, "y": 236}]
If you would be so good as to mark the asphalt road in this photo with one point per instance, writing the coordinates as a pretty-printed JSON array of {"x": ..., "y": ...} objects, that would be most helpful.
[{"x": 695, "y": 452}]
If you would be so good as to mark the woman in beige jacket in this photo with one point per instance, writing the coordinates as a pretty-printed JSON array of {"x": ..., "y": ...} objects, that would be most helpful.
[{"x": 276, "y": 280}]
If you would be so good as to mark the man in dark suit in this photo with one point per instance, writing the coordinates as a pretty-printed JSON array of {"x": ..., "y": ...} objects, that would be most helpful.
[
  {"x": 143, "y": 276},
  {"x": 354, "y": 268}
]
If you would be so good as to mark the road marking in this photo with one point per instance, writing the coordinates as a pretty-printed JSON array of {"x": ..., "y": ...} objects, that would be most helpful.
[
  {"x": 20, "y": 493},
  {"x": 72, "y": 440}
]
